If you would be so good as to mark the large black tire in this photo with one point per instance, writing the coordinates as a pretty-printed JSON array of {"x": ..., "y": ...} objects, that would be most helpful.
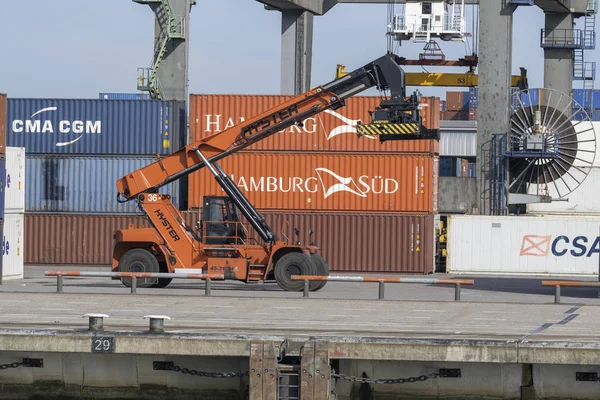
[
  {"x": 138, "y": 260},
  {"x": 293, "y": 264},
  {"x": 163, "y": 282},
  {"x": 322, "y": 270}
]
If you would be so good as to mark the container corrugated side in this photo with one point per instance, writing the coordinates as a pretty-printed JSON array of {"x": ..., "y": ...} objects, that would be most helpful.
[
  {"x": 124, "y": 96},
  {"x": 63, "y": 126},
  {"x": 13, "y": 246},
  {"x": 557, "y": 245},
  {"x": 458, "y": 144},
  {"x": 74, "y": 239},
  {"x": 365, "y": 242},
  {"x": 389, "y": 243},
  {"x": 329, "y": 130},
  {"x": 15, "y": 180},
  {"x": 3, "y": 127},
  {"x": 80, "y": 184},
  {"x": 583, "y": 200},
  {"x": 326, "y": 181}
]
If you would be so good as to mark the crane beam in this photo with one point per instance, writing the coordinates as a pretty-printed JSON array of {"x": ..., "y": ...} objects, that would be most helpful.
[
  {"x": 467, "y": 79},
  {"x": 450, "y": 79}
]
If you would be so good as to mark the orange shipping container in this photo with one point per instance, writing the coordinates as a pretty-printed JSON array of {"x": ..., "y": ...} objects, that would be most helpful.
[
  {"x": 455, "y": 101},
  {"x": 327, "y": 131},
  {"x": 2, "y": 123},
  {"x": 337, "y": 182}
]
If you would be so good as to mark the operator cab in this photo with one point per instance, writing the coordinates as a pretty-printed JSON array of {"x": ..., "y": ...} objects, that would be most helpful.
[{"x": 221, "y": 222}]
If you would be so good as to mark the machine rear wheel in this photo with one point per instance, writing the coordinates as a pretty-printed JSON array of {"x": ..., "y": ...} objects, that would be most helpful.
[
  {"x": 138, "y": 260},
  {"x": 322, "y": 269},
  {"x": 293, "y": 264}
]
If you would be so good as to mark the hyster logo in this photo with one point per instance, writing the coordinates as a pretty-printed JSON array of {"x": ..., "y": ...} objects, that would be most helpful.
[
  {"x": 165, "y": 222},
  {"x": 331, "y": 183},
  {"x": 350, "y": 126},
  {"x": 562, "y": 245},
  {"x": 77, "y": 127}
]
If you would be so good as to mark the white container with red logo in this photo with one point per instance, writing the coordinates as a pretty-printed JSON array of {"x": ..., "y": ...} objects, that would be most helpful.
[{"x": 527, "y": 245}]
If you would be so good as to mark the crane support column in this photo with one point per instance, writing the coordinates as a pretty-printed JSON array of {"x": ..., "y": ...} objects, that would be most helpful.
[
  {"x": 296, "y": 50},
  {"x": 558, "y": 59},
  {"x": 167, "y": 76},
  {"x": 173, "y": 71},
  {"x": 495, "y": 61}
]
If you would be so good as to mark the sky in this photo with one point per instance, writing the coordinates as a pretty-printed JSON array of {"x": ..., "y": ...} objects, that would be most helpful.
[{"x": 79, "y": 48}]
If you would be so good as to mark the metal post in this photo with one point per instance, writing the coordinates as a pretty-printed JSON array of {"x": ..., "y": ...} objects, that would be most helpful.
[
  {"x": 207, "y": 288},
  {"x": 133, "y": 285},
  {"x": 306, "y": 288},
  {"x": 381, "y": 290},
  {"x": 457, "y": 292},
  {"x": 59, "y": 283},
  {"x": 557, "y": 295}
]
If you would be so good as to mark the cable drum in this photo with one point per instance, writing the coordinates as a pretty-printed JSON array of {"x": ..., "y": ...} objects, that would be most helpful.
[{"x": 551, "y": 144}]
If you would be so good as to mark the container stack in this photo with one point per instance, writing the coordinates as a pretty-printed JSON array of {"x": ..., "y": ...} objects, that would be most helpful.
[
  {"x": 373, "y": 206},
  {"x": 457, "y": 107},
  {"x": 75, "y": 152}
]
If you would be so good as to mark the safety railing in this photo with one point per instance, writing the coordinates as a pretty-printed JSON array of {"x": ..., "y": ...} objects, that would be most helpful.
[
  {"x": 558, "y": 284},
  {"x": 134, "y": 277},
  {"x": 561, "y": 39},
  {"x": 382, "y": 281}
]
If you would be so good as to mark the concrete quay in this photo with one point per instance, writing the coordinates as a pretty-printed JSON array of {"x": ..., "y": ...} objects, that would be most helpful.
[{"x": 500, "y": 350}]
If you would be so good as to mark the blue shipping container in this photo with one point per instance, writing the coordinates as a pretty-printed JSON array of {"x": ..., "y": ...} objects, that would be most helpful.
[
  {"x": 2, "y": 188},
  {"x": 80, "y": 184},
  {"x": 531, "y": 97},
  {"x": 582, "y": 98},
  {"x": 124, "y": 96},
  {"x": 63, "y": 126},
  {"x": 586, "y": 97},
  {"x": 447, "y": 166}
]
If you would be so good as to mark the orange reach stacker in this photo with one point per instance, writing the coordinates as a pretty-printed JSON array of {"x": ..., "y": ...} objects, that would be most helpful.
[{"x": 219, "y": 243}]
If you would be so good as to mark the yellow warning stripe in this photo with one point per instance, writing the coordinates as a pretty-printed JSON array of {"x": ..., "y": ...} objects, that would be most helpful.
[{"x": 387, "y": 129}]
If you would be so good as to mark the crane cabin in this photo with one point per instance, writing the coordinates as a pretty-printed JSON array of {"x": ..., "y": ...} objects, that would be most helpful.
[{"x": 422, "y": 21}]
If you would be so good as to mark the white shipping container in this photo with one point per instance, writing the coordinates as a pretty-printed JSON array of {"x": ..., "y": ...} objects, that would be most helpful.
[
  {"x": 583, "y": 200},
  {"x": 12, "y": 246},
  {"x": 527, "y": 245},
  {"x": 458, "y": 138},
  {"x": 15, "y": 180}
]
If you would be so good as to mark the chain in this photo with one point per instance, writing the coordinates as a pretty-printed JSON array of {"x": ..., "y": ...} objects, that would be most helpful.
[
  {"x": 207, "y": 374},
  {"x": 393, "y": 381},
  {"x": 14, "y": 365}
]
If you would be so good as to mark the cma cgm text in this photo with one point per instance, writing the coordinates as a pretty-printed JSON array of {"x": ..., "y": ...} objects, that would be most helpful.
[{"x": 37, "y": 126}]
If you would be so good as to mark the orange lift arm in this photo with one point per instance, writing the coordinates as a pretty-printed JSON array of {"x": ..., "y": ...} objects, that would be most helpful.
[{"x": 384, "y": 73}]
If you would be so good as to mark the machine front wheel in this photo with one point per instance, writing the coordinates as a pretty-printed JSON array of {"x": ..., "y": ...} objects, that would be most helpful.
[
  {"x": 293, "y": 264},
  {"x": 138, "y": 260},
  {"x": 322, "y": 269},
  {"x": 163, "y": 282}
]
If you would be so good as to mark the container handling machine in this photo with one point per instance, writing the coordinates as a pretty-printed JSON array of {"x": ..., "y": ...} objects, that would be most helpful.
[{"x": 220, "y": 242}]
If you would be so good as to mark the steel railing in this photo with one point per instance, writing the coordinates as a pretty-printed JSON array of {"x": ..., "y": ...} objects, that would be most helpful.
[
  {"x": 558, "y": 284},
  {"x": 382, "y": 281},
  {"x": 134, "y": 277}
]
